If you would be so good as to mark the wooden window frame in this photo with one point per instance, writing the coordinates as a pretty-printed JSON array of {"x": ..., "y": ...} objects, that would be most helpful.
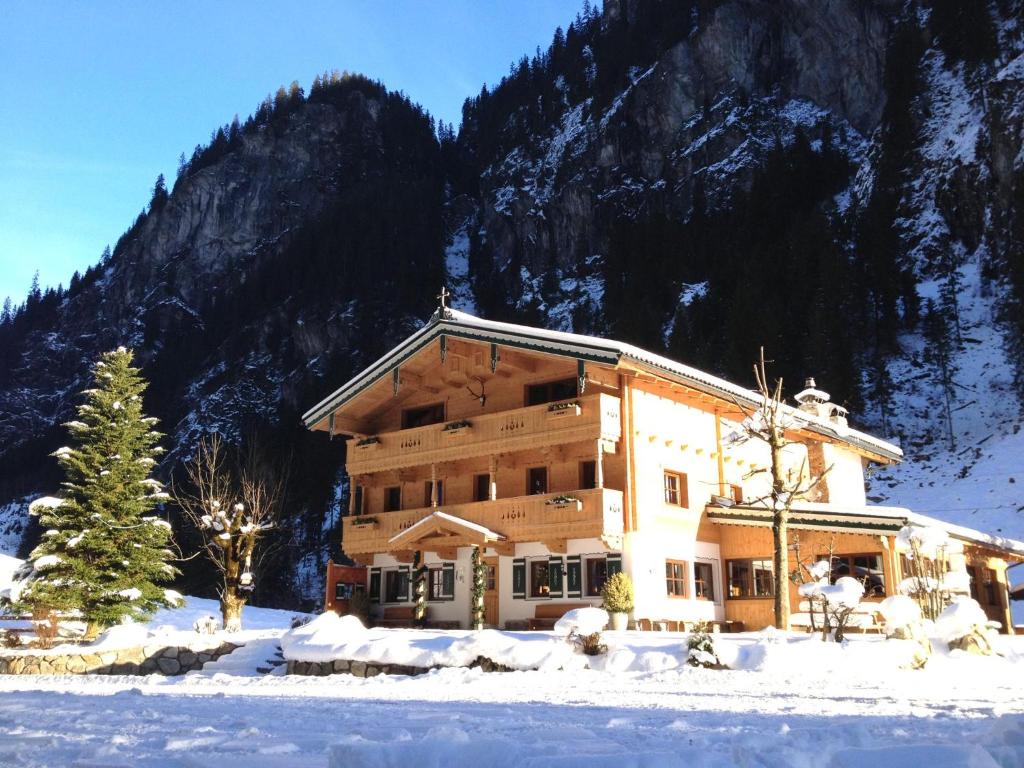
[
  {"x": 547, "y": 480},
  {"x": 435, "y": 591},
  {"x": 542, "y": 592},
  {"x": 849, "y": 557},
  {"x": 387, "y": 498},
  {"x": 394, "y": 573},
  {"x": 736, "y": 491},
  {"x": 682, "y": 488},
  {"x": 584, "y": 471},
  {"x": 708, "y": 582},
  {"x": 486, "y": 477},
  {"x": 752, "y": 580},
  {"x": 588, "y": 590},
  {"x": 426, "y": 492},
  {"x": 549, "y": 384},
  {"x": 671, "y": 579},
  {"x": 429, "y": 406},
  {"x": 990, "y": 581}
]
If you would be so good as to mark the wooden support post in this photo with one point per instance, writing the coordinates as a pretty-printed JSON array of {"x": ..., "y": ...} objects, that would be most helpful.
[
  {"x": 492, "y": 480},
  {"x": 599, "y": 467},
  {"x": 433, "y": 485},
  {"x": 351, "y": 495},
  {"x": 718, "y": 446}
]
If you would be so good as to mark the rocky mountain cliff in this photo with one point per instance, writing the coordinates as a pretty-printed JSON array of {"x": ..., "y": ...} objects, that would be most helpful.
[{"x": 840, "y": 181}]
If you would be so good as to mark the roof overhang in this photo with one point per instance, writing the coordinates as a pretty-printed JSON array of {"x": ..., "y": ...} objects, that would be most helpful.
[
  {"x": 459, "y": 325},
  {"x": 438, "y": 527},
  {"x": 870, "y": 520}
]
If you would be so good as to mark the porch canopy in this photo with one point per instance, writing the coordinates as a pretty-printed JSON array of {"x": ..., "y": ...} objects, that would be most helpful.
[{"x": 443, "y": 533}]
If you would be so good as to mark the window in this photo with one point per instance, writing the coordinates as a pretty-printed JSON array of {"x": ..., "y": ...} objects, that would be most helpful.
[
  {"x": 703, "y": 581},
  {"x": 393, "y": 498},
  {"x": 481, "y": 487},
  {"x": 990, "y": 593},
  {"x": 343, "y": 590},
  {"x": 973, "y": 578},
  {"x": 597, "y": 575},
  {"x": 550, "y": 391},
  {"x": 537, "y": 480},
  {"x": 737, "y": 493},
  {"x": 491, "y": 580},
  {"x": 357, "y": 502},
  {"x": 751, "y": 578},
  {"x": 867, "y": 569},
  {"x": 396, "y": 586},
  {"x": 435, "y": 584},
  {"x": 539, "y": 586},
  {"x": 421, "y": 417},
  {"x": 675, "y": 578},
  {"x": 426, "y": 493},
  {"x": 588, "y": 474},
  {"x": 675, "y": 489}
]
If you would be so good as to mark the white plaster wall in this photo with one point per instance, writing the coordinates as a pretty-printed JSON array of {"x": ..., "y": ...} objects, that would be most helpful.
[
  {"x": 846, "y": 476},
  {"x": 517, "y": 610},
  {"x": 442, "y": 610},
  {"x": 644, "y": 559}
]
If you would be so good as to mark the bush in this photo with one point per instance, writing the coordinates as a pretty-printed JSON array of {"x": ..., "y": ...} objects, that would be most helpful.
[
  {"x": 590, "y": 645},
  {"x": 702, "y": 649},
  {"x": 617, "y": 593},
  {"x": 11, "y": 639}
]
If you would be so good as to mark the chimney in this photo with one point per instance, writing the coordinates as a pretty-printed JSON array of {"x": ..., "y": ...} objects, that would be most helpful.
[{"x": 813, "y": 400}]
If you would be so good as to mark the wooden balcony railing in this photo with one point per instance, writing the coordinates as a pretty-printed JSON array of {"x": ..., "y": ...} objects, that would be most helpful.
[
  {"x": 596, "y": 417},
  {"x": 597, "y": 513}
]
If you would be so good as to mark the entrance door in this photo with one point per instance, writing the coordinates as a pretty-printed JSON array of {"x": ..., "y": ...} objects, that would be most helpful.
[{"x": 491, "y": 591}]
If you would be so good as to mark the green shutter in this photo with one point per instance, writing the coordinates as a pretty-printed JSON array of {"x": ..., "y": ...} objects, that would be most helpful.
[
  {"x": 519, "y": 579},
  {"x": 614, "y": 563},
  {"x": 404, "y": 572},
  {"x": 448, "y": 581},
  {"x": 573, "y": 576},
  {"x": 375, "y": 585},
  {"x": 555, "y": 576}
]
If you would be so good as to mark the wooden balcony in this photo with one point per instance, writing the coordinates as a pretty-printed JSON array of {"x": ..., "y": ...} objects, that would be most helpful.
[
  {"x": 596, "y": 418},
  {"x": 597, "y": 513}
]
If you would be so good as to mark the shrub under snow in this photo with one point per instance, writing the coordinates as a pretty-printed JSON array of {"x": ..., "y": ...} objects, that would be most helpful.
[{"x": 582, "y": 621}]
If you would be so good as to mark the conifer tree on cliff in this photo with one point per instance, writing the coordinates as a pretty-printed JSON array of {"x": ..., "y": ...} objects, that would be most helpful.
[{"x": 104, "y": 552}]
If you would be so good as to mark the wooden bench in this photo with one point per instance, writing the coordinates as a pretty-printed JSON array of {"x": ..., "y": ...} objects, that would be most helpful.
[
  {"x": 546, "y": 614},
  {"x": 405, "y": 616},
  {"x": 679, "y": 625}
]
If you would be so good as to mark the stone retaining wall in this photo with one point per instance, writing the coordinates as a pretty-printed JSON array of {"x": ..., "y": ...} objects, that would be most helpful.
[
  {"x": 159, "y": 660},
  {"x": 372, "y": 669}
]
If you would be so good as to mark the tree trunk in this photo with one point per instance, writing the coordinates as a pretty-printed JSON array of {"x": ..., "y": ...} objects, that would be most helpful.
[
  {"x": 780, "y": 535},
  {"x": 231, "y": 604}
]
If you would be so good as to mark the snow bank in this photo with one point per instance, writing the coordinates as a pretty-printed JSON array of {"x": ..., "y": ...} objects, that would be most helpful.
[
  {"x": 326, "y": 637},
  {"x": 583, "y": 621},
  {"x": 959, "y": 619},
  {"x": 899, "y": 611}
]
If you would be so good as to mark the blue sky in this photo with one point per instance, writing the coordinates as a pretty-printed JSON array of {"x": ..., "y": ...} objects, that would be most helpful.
[{"x": 100, "y": 97}]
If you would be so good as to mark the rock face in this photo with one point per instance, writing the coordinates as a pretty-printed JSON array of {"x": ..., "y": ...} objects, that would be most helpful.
[{"x": 294, "y": 251}]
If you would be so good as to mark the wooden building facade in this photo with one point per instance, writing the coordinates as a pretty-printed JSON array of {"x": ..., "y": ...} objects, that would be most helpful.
[{"x": 566, "y": 457}]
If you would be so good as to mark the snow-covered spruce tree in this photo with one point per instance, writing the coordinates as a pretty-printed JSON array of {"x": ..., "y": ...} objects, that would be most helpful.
[
  {"x": 104, "y": 553},
  {"x": 232, "y": 503}
]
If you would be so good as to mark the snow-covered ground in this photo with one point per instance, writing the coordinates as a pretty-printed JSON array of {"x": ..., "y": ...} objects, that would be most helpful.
[{"x": 796, "y": 702}]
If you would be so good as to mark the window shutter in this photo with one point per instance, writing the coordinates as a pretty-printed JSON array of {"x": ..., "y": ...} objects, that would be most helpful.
[
  {"x": 448, "y": 581},
  {"x": 555, "y": 577},
  {"x": 519, "y": 579},
  {"x": 684, "y": 492},
  {"x": 573, "y": 576},
  {"x": 375, "y": 585},
  {"x": 404, "y": 571},
  {"x": 614, "y": 563}
]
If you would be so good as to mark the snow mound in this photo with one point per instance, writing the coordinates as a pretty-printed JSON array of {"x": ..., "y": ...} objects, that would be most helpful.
[
  {"x": 959, "y": 619},
  {"x": 584, "y": 621},
  {"x": 916, "y": 755},
  {"x": 121, "y": 636},
  {"x": 325, "y": 637},
  {"x": 899, "y": 611}
]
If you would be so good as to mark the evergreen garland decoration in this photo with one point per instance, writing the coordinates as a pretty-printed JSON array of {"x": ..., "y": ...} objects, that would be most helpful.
[
  {"x": 104, "y": 554},
  {"x": 420, "y": 589},
  {"x": 477, "y": 593}
]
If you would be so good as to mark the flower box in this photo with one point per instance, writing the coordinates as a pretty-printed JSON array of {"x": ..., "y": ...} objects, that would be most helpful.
[
  {"x": 364, "y": 522},
  {"x": 456, "y": 428},
  {"x": 368, "y": 444},
  {"x": 564, "y": 502},
  {"x": 564, "y": 410}
]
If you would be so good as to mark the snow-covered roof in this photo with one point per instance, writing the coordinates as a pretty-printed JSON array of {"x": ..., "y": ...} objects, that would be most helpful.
[
  {"x": 863, "y": 518},
  {"x": 457, "y": 324}
]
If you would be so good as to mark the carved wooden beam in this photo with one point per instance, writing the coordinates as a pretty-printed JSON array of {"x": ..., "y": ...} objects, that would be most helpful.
[
  {"x": 506, "y": 548},
  {"x": 558, "y": 546},
  {"x": 448, "y": 553}
]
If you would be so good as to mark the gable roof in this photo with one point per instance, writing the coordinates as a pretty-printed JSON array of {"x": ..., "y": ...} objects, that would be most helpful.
[{"x": 457, "y": 324}]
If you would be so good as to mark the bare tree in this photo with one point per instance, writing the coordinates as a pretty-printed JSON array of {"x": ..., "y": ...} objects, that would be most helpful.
[
  {"x": 233, "y": 501},
  {"x": 769, "y": 424}
]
